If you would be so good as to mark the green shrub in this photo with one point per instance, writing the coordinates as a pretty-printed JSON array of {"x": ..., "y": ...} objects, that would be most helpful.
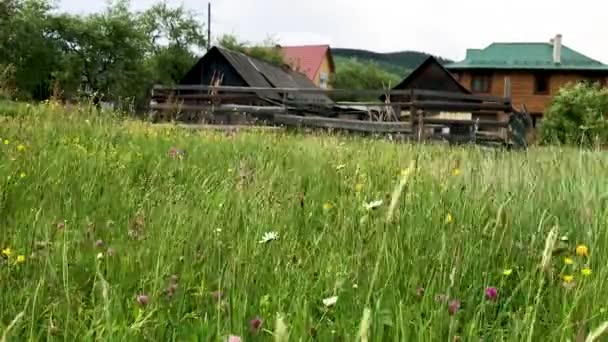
[{"x": 577, "y": 116}]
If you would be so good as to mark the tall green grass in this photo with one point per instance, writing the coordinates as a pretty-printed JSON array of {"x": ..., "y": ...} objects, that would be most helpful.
[{"x": 102, "y": 213}]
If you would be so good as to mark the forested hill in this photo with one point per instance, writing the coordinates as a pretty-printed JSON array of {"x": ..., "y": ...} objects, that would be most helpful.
[{"x": 395, "y": 62}]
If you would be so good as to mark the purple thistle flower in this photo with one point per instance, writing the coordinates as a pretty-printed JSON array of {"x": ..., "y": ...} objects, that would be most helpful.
[
  {"x": 453, "y": 307},
  {"x": 255, "y": 324},
  {"x": 492, "y": 293},
  {"x": 143, "y": 300}
]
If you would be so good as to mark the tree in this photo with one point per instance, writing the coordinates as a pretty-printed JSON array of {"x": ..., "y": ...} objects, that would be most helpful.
[
  {"x": 173, "y": 34},
  {"x": 352, "y": 74}
]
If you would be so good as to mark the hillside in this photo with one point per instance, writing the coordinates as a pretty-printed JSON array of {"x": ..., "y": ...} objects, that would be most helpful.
[{"x": 399, "y": 63}]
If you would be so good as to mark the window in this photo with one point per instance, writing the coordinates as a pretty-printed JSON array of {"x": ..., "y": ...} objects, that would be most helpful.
[
  {"x": 481, "y": 83},
  {"x": 323, "y": 80},
  {"x": 541, "y": 84}
]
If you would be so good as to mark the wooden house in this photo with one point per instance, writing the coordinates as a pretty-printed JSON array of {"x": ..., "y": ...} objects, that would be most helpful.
[
  {"x": 314, "y": 61},
  {"x": 534, "y": 72}
]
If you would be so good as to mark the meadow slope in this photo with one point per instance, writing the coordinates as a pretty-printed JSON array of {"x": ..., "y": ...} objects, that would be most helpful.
[{"x": 118, "y": 230}]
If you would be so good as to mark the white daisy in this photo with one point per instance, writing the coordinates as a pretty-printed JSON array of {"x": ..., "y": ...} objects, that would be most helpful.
[
  {"x": 373, "y": 204},
  {"x": 331, "y": 301},
  {"x": 269, "y": 236}
]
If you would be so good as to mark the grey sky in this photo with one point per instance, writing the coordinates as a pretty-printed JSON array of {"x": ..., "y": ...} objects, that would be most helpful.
[{"x": 441, "y": 27}]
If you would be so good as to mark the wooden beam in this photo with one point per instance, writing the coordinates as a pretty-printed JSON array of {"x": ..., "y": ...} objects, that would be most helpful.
[
  {"x": 342, "y": 124},
  {"x": 461, "y": 106}
]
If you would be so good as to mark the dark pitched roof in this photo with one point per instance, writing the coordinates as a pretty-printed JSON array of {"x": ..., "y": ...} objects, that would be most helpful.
[
  {"x": 430, "y": 75},
  {"x": 445, "y": 81},
  {"x": 258, "y": 73}
]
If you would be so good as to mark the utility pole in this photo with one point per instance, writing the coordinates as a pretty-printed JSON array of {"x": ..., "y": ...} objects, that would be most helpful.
[{"x": 208, "y": 26}]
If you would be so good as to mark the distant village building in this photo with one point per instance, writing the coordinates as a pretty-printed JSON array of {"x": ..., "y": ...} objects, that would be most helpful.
[
  {"x": 314, "y": 61},
  {"x": 534, "y": 71}
]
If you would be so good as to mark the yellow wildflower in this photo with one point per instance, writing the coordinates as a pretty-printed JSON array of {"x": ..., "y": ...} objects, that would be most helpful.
[
  {"x": 20, "y": 259},
  {"x": 568, "y": 278},
  {"x": 405, "y": 172},
  {"x": 6, "y": 142},
  {"x": 449, "y": 218},
  {"x": 456, "y": 172},
  {"x": 22, "y": 175},
  {"x": 568, "y": 261},
  {"x": 20, "y": 148},
  {"x": 327, "y": 206},
  {"x": 582, "y": 250},
  {"x": 507, "y": 272},
  {"x": 358, "y": 187},
  {"x": 7, "y": 252},
  {"x": 586, "y": 271}
]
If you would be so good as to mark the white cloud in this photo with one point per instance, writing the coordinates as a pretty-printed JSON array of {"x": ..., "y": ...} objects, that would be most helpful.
[{"x": 442, "y": 27}]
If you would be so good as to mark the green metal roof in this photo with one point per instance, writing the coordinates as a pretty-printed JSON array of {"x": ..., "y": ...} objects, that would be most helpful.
[{"x": 525, "y": 56}]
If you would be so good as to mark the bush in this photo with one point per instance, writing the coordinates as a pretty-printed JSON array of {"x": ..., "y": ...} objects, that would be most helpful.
[
  {"x": 577, "y": 116},
  {"x": 7, "y": 82}
]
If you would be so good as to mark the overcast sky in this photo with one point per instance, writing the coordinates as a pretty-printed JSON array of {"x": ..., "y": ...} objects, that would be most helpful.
[{"x": 440, "y": 27}]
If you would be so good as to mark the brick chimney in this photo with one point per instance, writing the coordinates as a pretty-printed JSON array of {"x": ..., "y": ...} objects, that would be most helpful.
[{"x": 557, "y": 48}]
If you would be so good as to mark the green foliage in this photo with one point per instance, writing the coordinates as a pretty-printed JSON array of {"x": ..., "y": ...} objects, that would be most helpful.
[
  {"x": 577, "y": 116},
  {"x": 7, "y": 82},
  {"x": 265, "y": 51},
  {"x": 353, "y": 74},
  {"x": 115, "y": 55},
  {"x": 399, "y": 63},
  {"x": 102, "y": 212}
]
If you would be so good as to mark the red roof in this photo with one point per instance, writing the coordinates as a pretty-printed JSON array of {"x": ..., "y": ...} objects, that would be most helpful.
[{"x": 306, "y": 59}]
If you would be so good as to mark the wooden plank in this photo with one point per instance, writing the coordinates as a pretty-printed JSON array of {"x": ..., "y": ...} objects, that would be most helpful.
[
  {"x": 484, "y": 123},
  {"x": 460, "y": 96},
  {"x": 461, "y": 106},
  {"x": 369, "y": 92},
  {"x": 218, "y": 109},
  {"x": 342, "y": 124}
]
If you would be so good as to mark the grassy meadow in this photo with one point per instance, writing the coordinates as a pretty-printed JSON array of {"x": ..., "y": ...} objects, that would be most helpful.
[{"x": 118, "y": 230}]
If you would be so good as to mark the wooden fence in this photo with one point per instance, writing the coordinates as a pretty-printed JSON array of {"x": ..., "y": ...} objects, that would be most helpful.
[{"x": 411, "y": 113}]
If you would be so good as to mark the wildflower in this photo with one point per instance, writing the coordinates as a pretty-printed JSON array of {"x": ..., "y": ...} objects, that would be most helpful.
[
  {"x": 420, "y": 292},
  {"x": 7, "y": 252},
  {"x": 99, "y": 255},
  {"x": 453, "y": 307},
  {"x": 99, "y": 243},
  {"x": 507, "y": 272},
  {"x": 586, "y": 271},
  {"x": 449, "y": 218},
  {"x": 331, "y": 301},
  {"x": 22, "y": 175},
  {"x": 110, "y": 252},
  {"x": 234, "y": 338},
  {"x": 176, "y": 153},
  {"x": 456, "y": 172},
  {"x": 358, "y": 187},
  {"x": 406, "y": 172},
  {"x": 255, "y": 324},
  {"x": 491, "y": 293},
  {"x": 143, "y": 300},
  {"x": 340, "y": 167},
  {"x": 568, "y": 278},
  {"x": 6, "y": 142},
  {"x": 20, "y": 148},
  {"x": 269, "y": 236},
  {"x": 20, "y": 259},
  {"x": 568, "y": 261},
  {"x": 582, "y": 250},
  {"x": 327, "y": 206},
  {"x": 373, "y": 205}
]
